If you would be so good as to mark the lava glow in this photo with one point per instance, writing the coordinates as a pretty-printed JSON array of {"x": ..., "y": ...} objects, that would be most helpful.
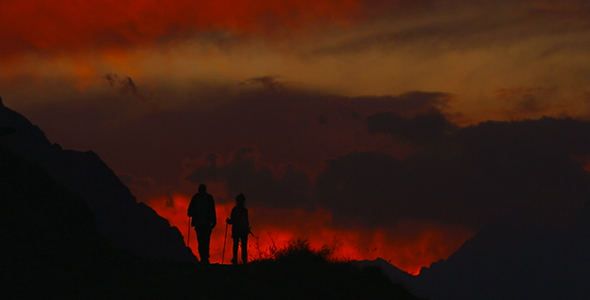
[{"x": 410, "y": 245}]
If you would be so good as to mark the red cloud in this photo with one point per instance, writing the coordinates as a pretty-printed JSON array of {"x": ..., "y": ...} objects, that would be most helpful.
[{"x": 93, "y": 24}]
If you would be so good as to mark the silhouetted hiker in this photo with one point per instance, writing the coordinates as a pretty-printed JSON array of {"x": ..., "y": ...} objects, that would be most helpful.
[
  {"x": 202, "y": 210},
  {"x": 240, "y": 228}
]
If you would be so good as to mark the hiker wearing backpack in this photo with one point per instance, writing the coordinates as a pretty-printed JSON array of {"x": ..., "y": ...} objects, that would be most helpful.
[
  {"x": 240, "y": 228},
  {"x": 202, "y": 210}
]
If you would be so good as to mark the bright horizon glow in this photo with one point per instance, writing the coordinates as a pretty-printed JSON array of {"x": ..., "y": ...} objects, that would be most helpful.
[{"x": 409, "y": 253}]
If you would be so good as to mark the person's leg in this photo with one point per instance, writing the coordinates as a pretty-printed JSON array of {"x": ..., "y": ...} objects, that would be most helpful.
[
  {"x": 204, "y": 238},
  {"x": 245, "y": 249},
  {"x": 199, "y": 242},
  {"x": 206, "y": 243},
  {"x": 234, "y": 260}
]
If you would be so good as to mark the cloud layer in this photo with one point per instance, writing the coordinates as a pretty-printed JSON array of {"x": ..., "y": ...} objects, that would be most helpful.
[
  {"x": 89, "y": 24},
  {"x": 518, "y": 172}
]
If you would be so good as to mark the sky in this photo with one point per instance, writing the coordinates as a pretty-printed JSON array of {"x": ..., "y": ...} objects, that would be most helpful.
[{"x": 393, "y": 129}]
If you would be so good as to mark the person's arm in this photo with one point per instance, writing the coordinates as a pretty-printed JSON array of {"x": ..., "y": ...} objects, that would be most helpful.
[
  {"x": 231, "y": 217},
  {"x": 190, "y": 209}
]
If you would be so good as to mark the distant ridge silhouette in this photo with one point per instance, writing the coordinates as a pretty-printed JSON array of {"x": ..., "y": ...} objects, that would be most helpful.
[
  {"x": 119, "y": 217},
  {"x": 391, "y": 271},
  {"x": 520, "y": 263}
]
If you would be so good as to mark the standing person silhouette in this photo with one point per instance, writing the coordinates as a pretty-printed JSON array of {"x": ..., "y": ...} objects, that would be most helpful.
[
  {"x": 202, "y": 210},
  {"x": 240, "y": 228}
]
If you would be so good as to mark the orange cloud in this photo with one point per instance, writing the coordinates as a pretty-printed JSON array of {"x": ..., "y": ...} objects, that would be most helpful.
[
  {"x": 410, "y": 246},
  {"x": 27, "y": 25}
]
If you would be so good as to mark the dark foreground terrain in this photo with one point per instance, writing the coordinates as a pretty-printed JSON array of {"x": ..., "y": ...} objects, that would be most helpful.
[
  {"x": 121, "y": 277},
  {"x": 50, "y": 249}
]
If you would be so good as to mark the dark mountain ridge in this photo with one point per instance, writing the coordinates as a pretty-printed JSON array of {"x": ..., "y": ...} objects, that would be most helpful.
[
  {"x": 535, "y": 262},
  {"x": 44, "y": 230},
  {"x": 119, "y": 217},
  {"x": 501, "y": 262}
]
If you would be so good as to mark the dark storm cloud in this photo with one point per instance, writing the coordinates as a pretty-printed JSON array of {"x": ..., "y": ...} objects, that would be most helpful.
[
  {"x": 362, "y": 187},
  {"x": 529, "y": 104},
  {"x": 244, "y": 173},
  {"x": 292, "y": 142},
  {"x": 271, "y": 83},
  {"x": 506, "y": 172},
  {"x": 526, "y": 101},
  {"x": 408, "y": 103},
  {"x": 495, "y": 172},
  {"x": 286, "y": 126},
  {"x": 419, "y": 129},
  {"x": 127, "y": 86}
]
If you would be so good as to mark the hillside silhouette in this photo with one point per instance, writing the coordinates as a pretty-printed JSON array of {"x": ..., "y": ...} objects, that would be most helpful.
[
  {"x": 501, "y": 262},
  {"x": 533, "y": 262},
  {"x": 53, "y": 247},
  {"x": 126, "y": 223}
]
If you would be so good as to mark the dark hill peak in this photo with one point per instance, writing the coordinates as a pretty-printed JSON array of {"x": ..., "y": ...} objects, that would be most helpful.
[
  {"x": 528, "y": 262},
  {"x": 119, "y": 217}
]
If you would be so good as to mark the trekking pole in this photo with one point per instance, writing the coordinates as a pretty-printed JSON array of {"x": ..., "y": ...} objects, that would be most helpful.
[
  {"x": 188, "y": 234},
  {"x": 252, "y": 233},
  {"x": 224, "y": 240}
]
